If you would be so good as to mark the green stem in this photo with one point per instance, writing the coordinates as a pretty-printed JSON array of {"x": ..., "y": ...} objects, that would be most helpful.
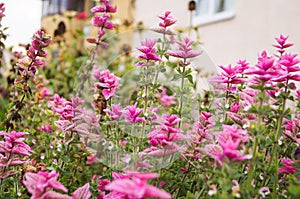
[{"x": 181, "y": 90}]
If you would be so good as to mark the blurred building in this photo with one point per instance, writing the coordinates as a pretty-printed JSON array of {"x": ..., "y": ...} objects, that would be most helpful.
[{"x": 229, "y": 29}]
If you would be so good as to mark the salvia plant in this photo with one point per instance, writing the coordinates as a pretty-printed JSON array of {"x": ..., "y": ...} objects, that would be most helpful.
[{"x": 147, "y": 132}]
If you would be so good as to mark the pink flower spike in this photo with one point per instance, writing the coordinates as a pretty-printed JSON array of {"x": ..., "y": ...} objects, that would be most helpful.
[
  {"x": 168, "y": 20},
  {"x": 281, "y": 44},
  {"x": 185, "y": 50},
  {"x": 288, "y": 167},
  {"x": 132, "y": 113},
  {"x": 148, "y": 51},
  {"x": 115, "y": 113},
  {"x": 135, "y": 186},
  {"x": 82, "y": 192}
]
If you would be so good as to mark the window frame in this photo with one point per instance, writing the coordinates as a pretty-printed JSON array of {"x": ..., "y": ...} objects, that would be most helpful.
[{"x": 212, "y": 16}]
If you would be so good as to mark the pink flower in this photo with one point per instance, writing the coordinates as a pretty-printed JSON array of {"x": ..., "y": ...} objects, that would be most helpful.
[
  {"x": 226, "y": 151},
  {"x": 185, "y": 50},
  {"x": 108, "y": 83},
  {"x": 281, "y": 44},
  {"x": 104, "y": 8},
  {"x": 14, "y": 143},
  {"x": 231, "y": 132},
  {"x": 235, "y": 107},
  {"x": 132, "y": 113},
  {"x": 264, "y": 69},
  {"x": 40, "y": 184},
  {"x": 287, "y": 66},
  {"x": 168, "y": 20},
  {"x": 47, "y": 128},
  {"x": 101, "y": 22},
  {"x": 115, "y": 112},
  {"x": 91, "y": 159},
  {"x": 148, "y": 51},
  {"x": 82, "y": 192},
  {"x": 165, "y": 99},
  {"x": 81, "y": 16},
  {"x": 134, "y": 185},
  {"x": 287, "y": 167},
  {"x": 229, "y": 75},
  {"x": 2, "y": 10}
]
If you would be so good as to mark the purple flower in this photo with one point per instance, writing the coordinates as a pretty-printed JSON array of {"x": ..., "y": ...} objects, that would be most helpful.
[
  {"x": 101, "y": 22},
  {"x": 104, "y": 8},
  {"x": 287, "y": 167},
  {"x": 2, "y": 10},
  {"x": 132, "y": 113},
  {"x": 47, "y": 128},
  {"x": 134, "y": 185},
  {"x": 168, "y": 20},
  {"x": 281, "y": 44},
  {"x": 264, "y": 70},
  {"x": 229, "y": 75},
  {"x": 165, "y": 99},
  {"x": 82, "y": 192},
  {"x": 40, "y": 185},
  {"x": 107, "y": 84},
  {"x": 286, "y": 66},
  {"x": 185, "y": 50},
  {"x": 148, "y": 51},
  {"x": 14, "y": 143},
  {"x": 115, "y": 112}
]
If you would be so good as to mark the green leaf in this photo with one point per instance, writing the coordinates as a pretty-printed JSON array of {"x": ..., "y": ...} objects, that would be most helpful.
[{"x": 190, "y": 78}]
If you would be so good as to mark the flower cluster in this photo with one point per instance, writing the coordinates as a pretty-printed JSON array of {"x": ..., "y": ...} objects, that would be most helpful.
[
  {"x": 72, "y": 117},
  {"x": 102, "y": 21},
  {"x": 2, "y": 10},
  {"x": 229, "y": 141},
  {"x": 185, "y": 50},
  {"x": 108, "y": 83},
  {"x": 43, "y": 184},
  {"x": 165, "y": 99},
  {"x": 134, "y": 185},
  {"x": 13, "y": 151},
  {"x": 167, "y": 20},
  {"x": 148, "y": 51}
]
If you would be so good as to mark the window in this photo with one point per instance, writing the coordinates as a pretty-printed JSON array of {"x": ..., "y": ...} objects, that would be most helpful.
[
  {"x": 57, "y": 6},
  {"x": 208, "y": 11}
]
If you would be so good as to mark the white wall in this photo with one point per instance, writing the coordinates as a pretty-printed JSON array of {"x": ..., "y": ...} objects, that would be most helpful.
[
  {"x": 23, "y": 17},
  {"x": 253, "y": 28}
]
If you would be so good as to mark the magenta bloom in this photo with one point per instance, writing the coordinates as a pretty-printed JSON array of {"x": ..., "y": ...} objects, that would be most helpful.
[
  {"x": 165, "y": 99},
  {"x": 185, "y": 50},
  {"x": 229, "y": 75},
  {"x": 101, "y": 22},
  {"x": 40, "y": 185},
  {"x": 287, "y": 66},
  {"x": 2, "y": 10},
  {"x": 168, "y": 20},
  {"x": 115, "y": 112},
  {"x": 104, "y": 8},
  {"x": 148, "y": 51},
  {"x": 14, "y": 143},
  {"x": 132, "y": 114},
  {"x": 231, "y": 132},
  {"x": 81, "y": 16},
  {"x": 108, "y": 83},
  {"x": 281, "y": 44},
  {"x": 47, "y": 128},
  {"x": 134, "y": 185},
  {"x": 82, "y": 192},
  {"x": 265, "y": 70},
  {"x": 226, "y": 151},
  {"x": 287, "y": 167}
]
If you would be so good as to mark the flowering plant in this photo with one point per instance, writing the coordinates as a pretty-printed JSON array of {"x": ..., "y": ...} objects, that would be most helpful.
[{"x": 161, "y": 139}]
